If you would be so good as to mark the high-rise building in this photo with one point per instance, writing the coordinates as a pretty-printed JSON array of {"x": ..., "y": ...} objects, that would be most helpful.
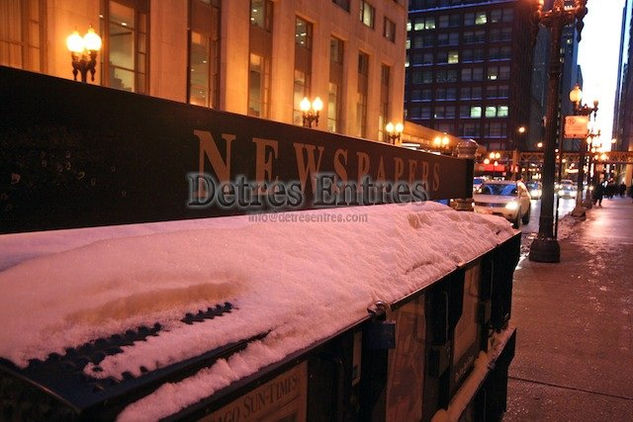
[
  {"x": 623, "y": 111},
  {"x": 469, "y": 68},
  {"x": 254, "y": 57}
]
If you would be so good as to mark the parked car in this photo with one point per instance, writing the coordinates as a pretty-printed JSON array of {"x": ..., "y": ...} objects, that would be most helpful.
[
  {"x": 535, "y": 189},
  {"x": 477, "y": 181},
  {"x": 567, "y": 189},
  {"x": 505, "y": 198}
]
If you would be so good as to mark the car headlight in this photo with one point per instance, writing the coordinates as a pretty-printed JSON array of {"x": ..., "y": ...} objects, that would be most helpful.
[
  {"x": 513, "y": 205},
  {"x": 535, "y": 192}
]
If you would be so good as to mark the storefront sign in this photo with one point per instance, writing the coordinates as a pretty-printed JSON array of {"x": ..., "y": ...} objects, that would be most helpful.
[{"x": 576, "y": 127}]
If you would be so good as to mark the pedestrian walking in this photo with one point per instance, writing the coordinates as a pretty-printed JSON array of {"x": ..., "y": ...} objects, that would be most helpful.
[
  {"x": 598, "y": 194},
  {"x": 622, "y": 189}
]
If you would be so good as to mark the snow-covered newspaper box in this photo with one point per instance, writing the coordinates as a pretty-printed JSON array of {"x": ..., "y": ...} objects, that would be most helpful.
[{"x": 122, "y": 301}]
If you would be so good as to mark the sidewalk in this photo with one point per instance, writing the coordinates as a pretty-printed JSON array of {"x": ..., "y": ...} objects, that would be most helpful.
[{"x": 574, "y": 356}]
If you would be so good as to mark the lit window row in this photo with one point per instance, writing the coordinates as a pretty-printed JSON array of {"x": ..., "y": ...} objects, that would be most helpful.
[{"x": 425, "y": 23}]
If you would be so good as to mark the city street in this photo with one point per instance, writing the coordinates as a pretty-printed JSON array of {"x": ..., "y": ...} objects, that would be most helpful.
[
  {"x": 566, "y": 205},
  {"x": 574, "y": 329}
]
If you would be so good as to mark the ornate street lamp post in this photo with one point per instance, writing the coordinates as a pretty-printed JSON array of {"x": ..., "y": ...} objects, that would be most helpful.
[
  {"x": 582, "y": 110},
  {"x": 394, "y": 132},
  {"x": 545, "y": 247},
  {"x": 310, "y": 111},
  {"x": 83, "y": 51}
]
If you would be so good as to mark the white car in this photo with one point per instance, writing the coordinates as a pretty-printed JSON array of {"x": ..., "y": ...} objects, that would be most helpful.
[{"x": 505, "y": 198}]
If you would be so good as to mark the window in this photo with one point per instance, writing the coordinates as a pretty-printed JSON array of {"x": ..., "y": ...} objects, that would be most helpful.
[
  {"x": 506, "y": 34},
  {"x": 498, "y": 73},
  {"x": 413, "y": 95},
  {"x": 261, "y": 14},
  {"x": 495, "y": 15},
  {"x": 453, "y": 38},
  {"x": 22, "y": 34},
  {"x": 333, "y": 107},
  {"x": 409, "y": 25},
  {"x": 495, "y": 129},
  {"x": 303, "y": 33},
  {"x": 464, "y": 111},
  {"x": 475, "y": 112},
  {"x": 361, "y": 94},
  {"x": 446, "y": 76},
  {"x": 443, "y": 21},
  {"x": 204, "y": 53},
  {"x": 442, "y": 39},
  {"x": 472, "y": 74},
  {"x": 470, "y": 129},
  {"x": 260, "y": 58},
  {"x": 389, "y": 30},
  {"x": 471, "y": 37},
  {"x": 449, "y": 112},
  {"x": 491, "y": 111},
  {"x": 258, "y": 85},
  {"x": 384, "y": 112},
  {"x": 475, "y": 92},
  {"x": 343, "y": 4},
  {"x": 303, "y": 66},
  {"x": 427, "y": 59},
  {"x": 422, "y": 24},
  {"x": 469, "y": 19},
  {"x": 408, "y": 44},
  {"x": 427, "y": 94},
  {"x": 125, "y": 60},
  {"x": 502, "y": 111},
  {"x": 455, "y": 21},
  {"x": 367, "y": 13},
  {"x": 508, "y": 15},
  {"x": 425, "y": 112},
  {"x": 480, "y": 18},
  {"x": 493, "y": 73}
]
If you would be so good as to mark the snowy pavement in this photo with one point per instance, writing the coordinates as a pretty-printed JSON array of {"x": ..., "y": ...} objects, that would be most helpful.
[{"x": 574, "y": 356}]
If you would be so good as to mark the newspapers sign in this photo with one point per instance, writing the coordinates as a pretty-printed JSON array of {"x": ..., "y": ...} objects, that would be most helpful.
[{"x": 576, "y": 127}]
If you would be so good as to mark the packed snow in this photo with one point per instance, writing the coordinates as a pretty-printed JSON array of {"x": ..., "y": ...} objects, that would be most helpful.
[{"x": 301, "y": 282}]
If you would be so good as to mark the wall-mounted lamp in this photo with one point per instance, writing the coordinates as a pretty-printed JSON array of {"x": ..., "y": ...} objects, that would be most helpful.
[
  {"x": 83, "y": 51},
  {"x": 310, "y": 111}
]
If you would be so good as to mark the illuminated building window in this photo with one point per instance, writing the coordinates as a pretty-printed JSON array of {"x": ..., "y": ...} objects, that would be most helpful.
[
  {"x": 204, "y": 53},
  {"x": 22, "y": 34},
  {"x": 260, "y": 57},
  {"x": 126, "y": 45},
  {"x": 303, "y": 66},
  {"x": 367, "y": 13},
  {"x": 361, "y": 95}
]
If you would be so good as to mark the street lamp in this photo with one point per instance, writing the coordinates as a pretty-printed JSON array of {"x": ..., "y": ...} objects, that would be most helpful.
[
  {"x": 493, "y": 158},
  {"x": 310, "y": 111},
  {"x": 394, "y": 132},
  {"x": 442, "y": 143},
  {"x": 516, "y": 164},
  {"x": 545, "y": 247},
  {"x": 83, "y": 51},
  {"x": 575, "y": 97}
]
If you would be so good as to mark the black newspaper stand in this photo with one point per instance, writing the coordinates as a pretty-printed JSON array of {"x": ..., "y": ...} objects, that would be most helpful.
[{"x": 444, "y": 348}]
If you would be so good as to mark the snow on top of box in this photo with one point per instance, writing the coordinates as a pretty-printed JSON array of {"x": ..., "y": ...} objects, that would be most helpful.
[{"x": 303, "y": 281}]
